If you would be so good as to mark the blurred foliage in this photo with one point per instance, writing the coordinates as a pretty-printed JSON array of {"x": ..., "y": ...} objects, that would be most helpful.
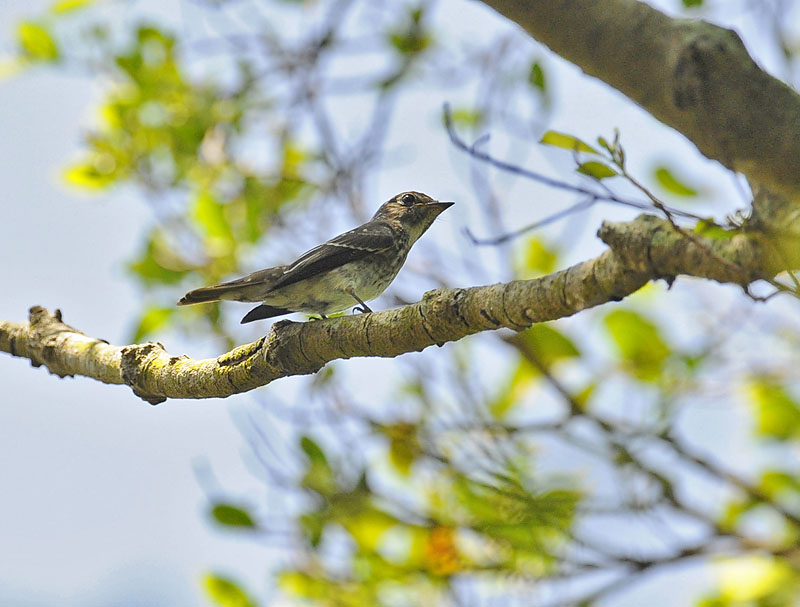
[
  {"x": 232, "y": 516},
  {"x": 667, "y": 179},
  {"x": 224, "y": 592},
  {"x": 754, "y": 580},
  {"x": 777, "y": 413},
  {"x": 502, "y": 467},
  {"x": 569, "y": 142},
  {"x": 538, "y": 258},
  {"x": 35, "y": 42},
  {"x": 642, "y": 349}
]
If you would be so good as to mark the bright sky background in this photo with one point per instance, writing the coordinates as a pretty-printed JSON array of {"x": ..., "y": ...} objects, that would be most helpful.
[{"x": 100, "y": 502}]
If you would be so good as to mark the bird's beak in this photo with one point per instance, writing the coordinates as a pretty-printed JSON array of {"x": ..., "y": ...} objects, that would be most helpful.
[{"x": 441, "y": 206}]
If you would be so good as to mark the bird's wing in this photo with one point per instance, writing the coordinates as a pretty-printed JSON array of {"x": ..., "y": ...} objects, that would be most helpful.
[{"x": 338, "y": 251}]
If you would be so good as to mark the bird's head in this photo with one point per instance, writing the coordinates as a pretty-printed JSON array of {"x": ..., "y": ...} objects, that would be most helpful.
[{"x": 414, "y": 211}]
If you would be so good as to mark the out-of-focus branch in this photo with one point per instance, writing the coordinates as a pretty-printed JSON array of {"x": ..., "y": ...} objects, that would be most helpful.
[
  {"x": 645, "y": 249},
  {"x": 693, "y": 76}
]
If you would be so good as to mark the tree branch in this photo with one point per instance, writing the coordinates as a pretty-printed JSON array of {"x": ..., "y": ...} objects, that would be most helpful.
[
  {"x": 645, "y": 249},
  {"x": 693, "y": 76}
]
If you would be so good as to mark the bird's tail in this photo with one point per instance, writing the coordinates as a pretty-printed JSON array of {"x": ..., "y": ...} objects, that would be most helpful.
[{"x": 250, "y": 288}]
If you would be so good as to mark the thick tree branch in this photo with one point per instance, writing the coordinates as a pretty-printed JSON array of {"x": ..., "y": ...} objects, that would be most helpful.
[
  {"x": 642, "y": 250},
  {"x": 691, "y": 75}
]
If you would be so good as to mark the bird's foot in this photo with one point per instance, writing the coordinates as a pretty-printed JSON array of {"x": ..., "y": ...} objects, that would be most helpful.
[{"x": 363, "y": 308}]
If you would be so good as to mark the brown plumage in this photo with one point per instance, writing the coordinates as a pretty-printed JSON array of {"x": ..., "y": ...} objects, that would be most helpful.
[{"x": 351, "y": 268}]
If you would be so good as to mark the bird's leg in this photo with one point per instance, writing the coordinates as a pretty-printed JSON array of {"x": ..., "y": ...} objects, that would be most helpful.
[{"x": 364, "y": 307}]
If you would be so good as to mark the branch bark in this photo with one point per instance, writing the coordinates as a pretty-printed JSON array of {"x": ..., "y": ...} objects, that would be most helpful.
[
  {"x": 691, "y": 75},
  {"x": 645, "y": 249}
]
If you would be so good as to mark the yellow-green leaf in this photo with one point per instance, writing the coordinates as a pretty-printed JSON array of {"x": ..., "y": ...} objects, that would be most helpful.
[
  {"x": 87, "y": 176},
  {"x": 710, "y": 229},
  {"x": 547, "y": 344},
  {"x": 210, "y": 214},
  {"x": 404, "y": 446},
  {"x": 319, "y": 475},
  {"x": 639, "y": 342},
  {"x": 466, "y": 117},
  {"x": 159, "y": 262},
  {"x": 539, "y": 258},
  {"x": 35, "y": 42},
  {"x": 562, "y": 140},
  {"x": 755, "y": 579},
  {"x": 68, "y": 6},
  {"x": 777, "y": 483},
  {"x": 301, "y": 584},
  {"x": 598, "y": 170},
  {"x": 778, "y": 414},
  {"x": 667, "y": 180},
  {"x": 224, "y": 592},
  {"x": 536, "y": 76},
  {"x": 582, "y": 398},
  {"x": 368, "y": 526},
  {"x": 232, "y": 516},
  {"x": 518, "y": 385},
  {"x": 151, "y": 321}
]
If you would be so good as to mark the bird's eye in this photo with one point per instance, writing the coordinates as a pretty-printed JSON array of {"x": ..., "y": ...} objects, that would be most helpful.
[{"x": 408, "y": 199}]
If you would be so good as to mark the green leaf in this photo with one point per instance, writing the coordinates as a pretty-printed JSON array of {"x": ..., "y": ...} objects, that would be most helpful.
[
  {"x": 319, "y": 475},
  {"x": 91, "y": 175},
  {"x": 313, "y": 451},
  {"x": 562, "y": 140},
  {"x": 35, "y": 42},
  {"x": 232, "y": 516},
  {"x": 151, "y": 321},
  {"x": 539, "y": 258},
  {"x": 518, "y": 385},
  {"x": 536, "y": 77},
  {"x": 777, "y": 413},
  {"x": 639, "y": 342},
  {"x": 158, "y": 263},
  {"x": 367, "y": 526},
  {"x": 413, "y": 38},
  {"x": 224, "y": 592},
  {"x": 710, "y": 229},
  {"x": 547, "y": 344},
  {"x": 692, "y": 3},
  {"x": 777, "y": 484},
  {"x": 583, "y": 397},
  {"x": 528, "y": 522},
  {"x": 467, "y": 118},
  {"x": 210, "y": 214},
  {"x": 598, "y": 170},
  {"x": 404, "y": 446},
  {"x": 301, "y": 584},
  {"x": 667, "y": 180},
  {"x": 603, "y": 143},
  {"x": 312, "y": 525}
]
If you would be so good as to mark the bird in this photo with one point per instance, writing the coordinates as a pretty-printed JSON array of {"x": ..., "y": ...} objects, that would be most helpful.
[{"x": 351, "y": 268}]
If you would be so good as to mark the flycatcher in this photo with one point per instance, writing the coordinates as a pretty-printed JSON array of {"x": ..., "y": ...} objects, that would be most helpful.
[{"x": 351, "y": 268}]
